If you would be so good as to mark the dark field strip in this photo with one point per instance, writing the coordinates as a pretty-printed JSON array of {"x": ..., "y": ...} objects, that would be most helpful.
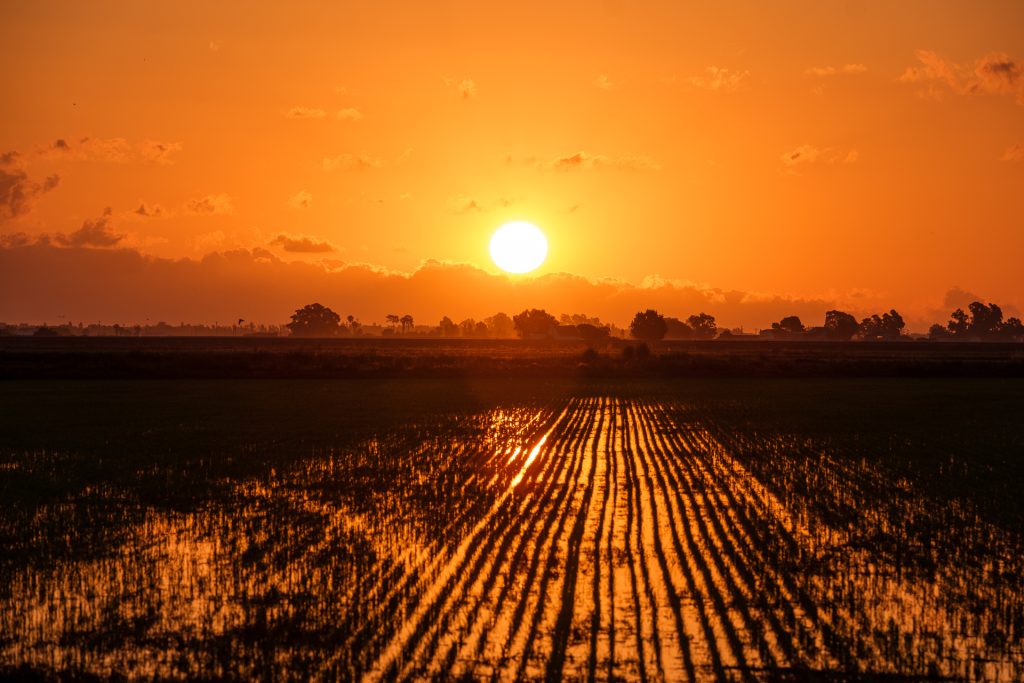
[
  {"x": 241, "y": 357},
  {"x": 594, "y": 536}
]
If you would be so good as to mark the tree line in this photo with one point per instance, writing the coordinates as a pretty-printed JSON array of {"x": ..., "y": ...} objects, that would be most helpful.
[{"x": 981, "y": 322}]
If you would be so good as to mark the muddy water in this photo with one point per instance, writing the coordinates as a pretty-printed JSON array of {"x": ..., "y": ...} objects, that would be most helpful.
[{"x": 603, "y": 539}]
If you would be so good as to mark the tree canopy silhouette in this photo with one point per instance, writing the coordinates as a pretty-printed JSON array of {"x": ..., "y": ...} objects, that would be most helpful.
[
  {"x": 448, "y": 328},
  {"x": 983, "y": 323},
  {"x": 648, "y": 325},
  {"x": 885, "y": 327},
  {"x": 535, "y": 322},
  {"x": 789, "y": 325},
  {"x": 677, "y": 329},
  {"x": 840, "y": 326},
  {"x": 703, "y": 325},
  {"x": 314, "y": 320}
]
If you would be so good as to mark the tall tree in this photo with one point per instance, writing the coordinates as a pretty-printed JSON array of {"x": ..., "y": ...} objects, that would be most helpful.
[
  {"x": 703, "y": 325},
  {"x": 500, "y": 325},
  {"x": 407, "y": 322},
  {"x": 840, "y": 326},
  {"x": 791, "y": 325},
  {"x": 648, "y": 325},
  {"x": 314, "y": 320},
  {"x": 535, "y": 322},
  {"x": 448, "y": 328},
  {"x": 887, "y": 326}
]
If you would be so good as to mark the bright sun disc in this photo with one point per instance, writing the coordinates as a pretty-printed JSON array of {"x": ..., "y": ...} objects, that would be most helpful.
[{"x": 518, "y": 247}]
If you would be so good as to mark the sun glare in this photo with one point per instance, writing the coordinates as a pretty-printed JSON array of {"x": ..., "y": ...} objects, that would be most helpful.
[{"x": 518, "y": 247}]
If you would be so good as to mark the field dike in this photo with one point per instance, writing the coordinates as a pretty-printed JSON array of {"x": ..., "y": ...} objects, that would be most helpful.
[{"x": 604, "y": 539}]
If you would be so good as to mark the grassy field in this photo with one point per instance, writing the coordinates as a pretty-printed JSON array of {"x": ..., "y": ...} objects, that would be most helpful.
[{"x": 593, "y": 528}]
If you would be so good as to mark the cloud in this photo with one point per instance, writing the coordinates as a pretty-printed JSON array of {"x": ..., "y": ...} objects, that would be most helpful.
[
  {"x": 208, "y": 241},
  {"x": 1013, "y": 153},
  {"x": 464, "y": 88},
  {"x": 349, "y": 114},
  {"x": 150, "y": 211},
  {"x": 351, "y": 162},
  {"x": 603, "y": 82},
  {"x": 17, "y": 192},
  {"x": 305, "y": 113},
  {"x": 404, "y": 156},
  {"x": 463, "y": 204},
  {"x": 809, "y": 154},
  {"x": 993, "y": 74},
  {"x": 210, "y": 205},
  {"x": 302, "y": 244},
  {"x": 583, "y": 161},
  {"x": 126, "y": 285},
  {"x": 718, "y": 79},
  {"x": 113, "y": 150},
  {"x": 957, "y": 297},
  {"x": 827, "y": 71},
  {"x": 96, "y": 233},
  {"x": 301, "y": 201}
]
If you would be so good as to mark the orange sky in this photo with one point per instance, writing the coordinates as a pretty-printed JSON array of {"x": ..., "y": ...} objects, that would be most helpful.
[{"x": 811, "y": 154}]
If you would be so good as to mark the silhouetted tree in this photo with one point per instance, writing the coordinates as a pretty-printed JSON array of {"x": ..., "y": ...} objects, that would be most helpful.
[
  {"x": 840, "y": 326},
  {"x": 406, "y": 322},
  {"x": 480, "y": 330},
  {"x": 534, "y": 322},
  {"x": 592, "y": 334},
  {"x": 354, "y": 326},
  {"x": 677, "y": 329},
  {"x": 703, "y": 325},
  {"x": 648, "y": 325},
  {"x": 447, "y": 327},
  {"x": 937, "y": 331},
  {"x": 958, "y": 324},
  {"x": 467, "y": 328},
  {"x": 885, "y": 327},
  {"x": 314, "y": 320},
  {"x": 985, "y": 322},
  {"x": 500, "y": 325},
  {"x": 1013, "y": 329},
  {"x": 578, "y": 319},
  {"x": 392, "y": 320},
  {"x": 789, "y": 325}
]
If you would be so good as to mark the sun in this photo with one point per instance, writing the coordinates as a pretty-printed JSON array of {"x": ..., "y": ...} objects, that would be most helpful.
[{"x": 518, "y": 247}]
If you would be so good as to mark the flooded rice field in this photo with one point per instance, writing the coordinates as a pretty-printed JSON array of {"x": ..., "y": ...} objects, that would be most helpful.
[{"x": 586, "y": 537}]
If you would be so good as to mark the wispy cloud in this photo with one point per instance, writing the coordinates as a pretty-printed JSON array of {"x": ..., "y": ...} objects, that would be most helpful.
[
  {"x": 95, "y": 233},
  {"x": 1013, "y": 153},
  {"x": 17, "y": 191},
  {"x": 993, "y": 74},
  {"x": 210, "y": 205},
  {"x": 604, "y": 83},
  {"x": 464, "y": 87},
  {"x": 350, "y": 162},
  {"x": 302, "y": 244},
  {"x": 583, "y": 161},
  {"x": 150, "y": 211},
  {"x": 112, "y": 150},
  {"x": 349, "y": 114},
  {"x": 806, "y": 155},
  {"x": 463, "y": 204},
  {"x": 301, "y": 201},
  {"x": 718, "y": 79},
  {"x": 827, "y": 71},
  {"x": 306, "y": 113}
]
